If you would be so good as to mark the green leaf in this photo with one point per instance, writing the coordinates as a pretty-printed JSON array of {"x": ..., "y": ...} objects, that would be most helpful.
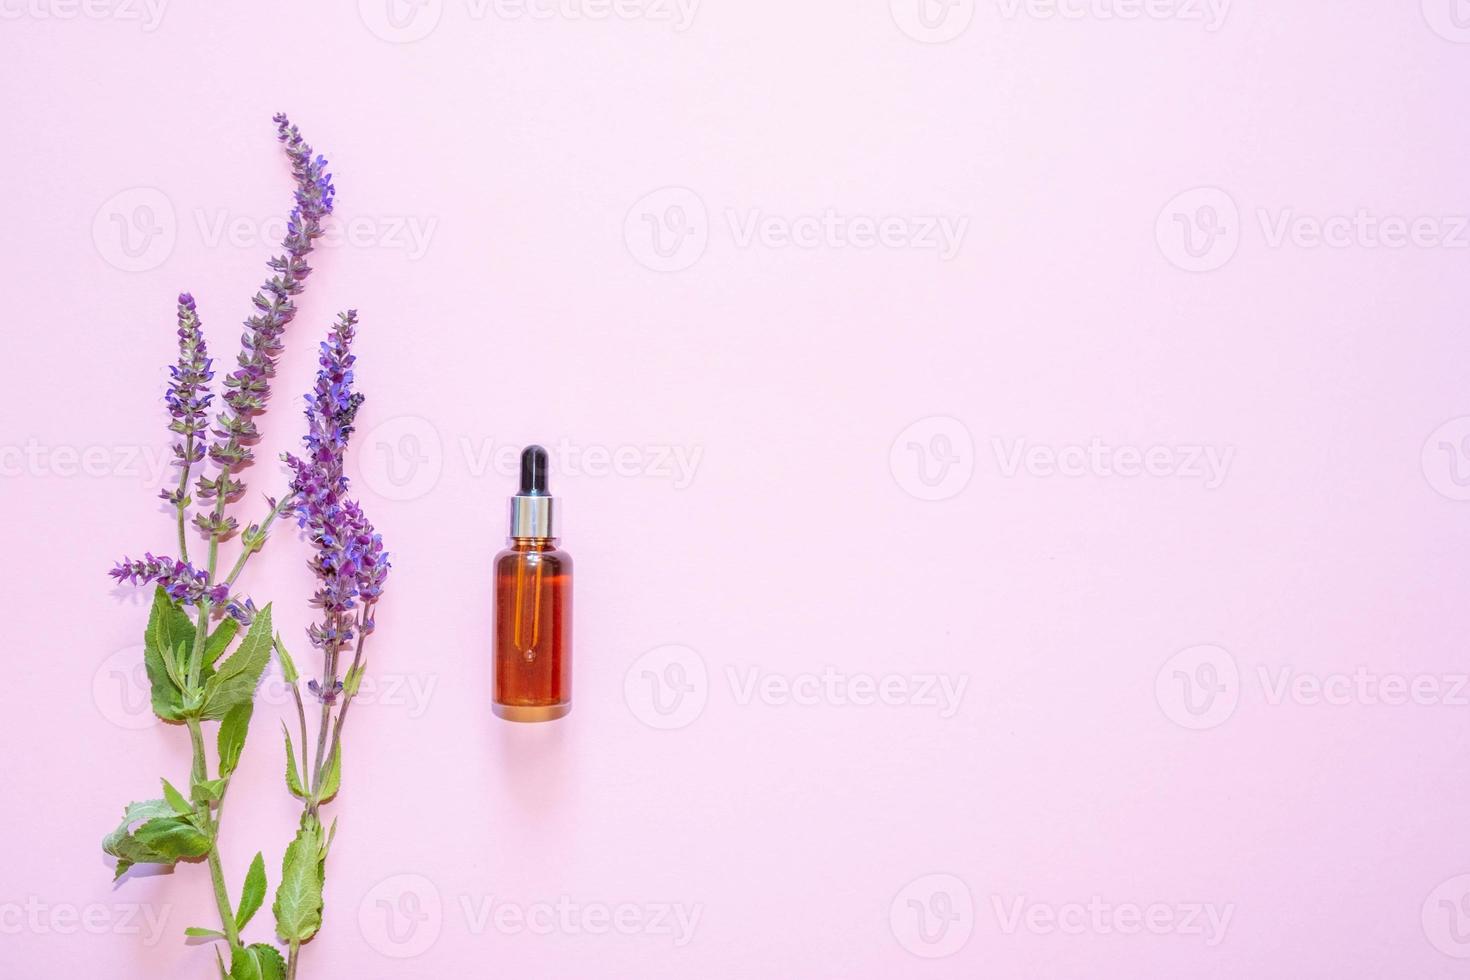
[
  {"x": 293, "y": 778},
  {"x": 244, "y": 964},
  {"x": 128, "y": 850},
  {"x": 234, "y": 682},
  {"x": 326, "y": 847},
  {"x": 332, "y": 778},
  {"x": 196, "y": 932},
  {"x": 176, "y": 800},
  {"x": 272, "y": 965},
  {"x": 253, "y": 894},
  {"x": 168, "y": 626},
  {"x": 353, "y": 680},
  {"x": 173, "y": 838},
  {"x": 216, "y": 643},
  {"x": 208, "y": 791},
  {"x": 288, "y": 666},
  {"x": 232, "y": 732},
  {"x": 298, "y": 904}
]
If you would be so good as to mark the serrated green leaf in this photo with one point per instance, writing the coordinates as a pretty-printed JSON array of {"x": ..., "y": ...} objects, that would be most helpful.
[
  {"x": 252, "y": 895},
  {"x": 244, "y": 964},
  {"x": 176, "y": 800},
  {"x": 208, "y": 791},
  {"x": 173, "y": 838},
  {"x": 332, "y": 778},
  {"x": 232, "y": 731},
  {"x": 288, "y": 666},
  {"x": 124, "y": 846},
  {"x": 235, "y": 680},
  {"x": 168, "y": 626},
  {"x": 298, "y": 904},
  {"x": 197, "y": 932},
  {"x": 218, "y": 641},
  {"x": 293, "y": 778},
  {"x": 269, "y": 959}
]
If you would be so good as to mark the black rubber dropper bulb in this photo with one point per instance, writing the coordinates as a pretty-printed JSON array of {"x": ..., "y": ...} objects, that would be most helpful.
[{"x": 533, "y": 472}]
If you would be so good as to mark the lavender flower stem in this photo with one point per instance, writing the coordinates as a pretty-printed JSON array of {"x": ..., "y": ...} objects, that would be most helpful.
[
  {"x": 216, "y": 868},
  {"x": 181, "y": 507},
  {"x": 301, "y": 717},
  {"x": 259, "y": 536},
  {"x": 362, "y": 636},
  {"x": 329, "y": 678}
]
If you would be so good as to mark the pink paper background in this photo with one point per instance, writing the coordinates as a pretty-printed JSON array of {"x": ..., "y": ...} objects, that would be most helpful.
[{"x": 820, "y": 391}]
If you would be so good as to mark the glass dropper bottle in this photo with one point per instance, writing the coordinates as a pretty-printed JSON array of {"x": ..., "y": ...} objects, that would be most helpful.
[{"x": 533, "y": 605}]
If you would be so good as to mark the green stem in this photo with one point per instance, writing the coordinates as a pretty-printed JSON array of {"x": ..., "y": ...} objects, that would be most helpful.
[
  {"x": 291, "y": 960},
  {"x": 216, "y": 869},
  {"x": 329, "y": 683},
  {"x": 347, "y": 698},
  {"x": 265, "y": 527},
  {"x": 301, "y": 717},
  {"x": 184, "y": 468},
  {"x": 201, "y": 631}
]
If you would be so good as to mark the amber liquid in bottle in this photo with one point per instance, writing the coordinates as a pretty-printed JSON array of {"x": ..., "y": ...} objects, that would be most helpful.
[
  {"x": 533, "y": 605},
  {"x": 533, "y": 631}
]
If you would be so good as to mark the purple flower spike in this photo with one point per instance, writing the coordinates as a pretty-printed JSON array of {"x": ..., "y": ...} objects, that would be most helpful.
[
  {"x": 183, "y": 582},
  {"x": 248, "y": 386},
  {"x": 350, "y": 563},
  {"x": 188, "y": 395}
]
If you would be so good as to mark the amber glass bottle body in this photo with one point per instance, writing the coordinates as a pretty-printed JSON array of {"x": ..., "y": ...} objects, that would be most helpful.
[{"x": 533, "y": 630}]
